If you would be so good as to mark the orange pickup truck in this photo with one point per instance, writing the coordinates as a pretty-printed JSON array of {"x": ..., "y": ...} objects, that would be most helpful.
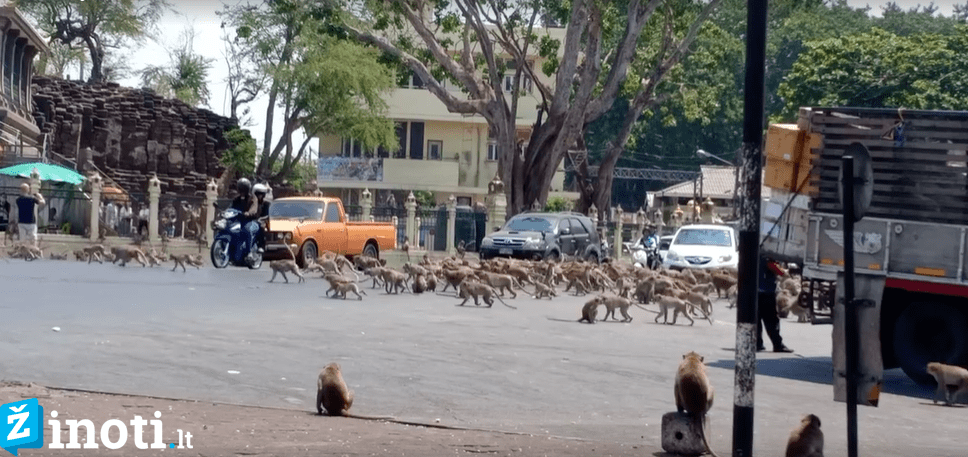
[{"x": 311, "y": 225}]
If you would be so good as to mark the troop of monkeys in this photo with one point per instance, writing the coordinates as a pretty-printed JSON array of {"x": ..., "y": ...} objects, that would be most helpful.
[
  {"x": 693, "y": 396},
  {"x": 115, "y": 254}
]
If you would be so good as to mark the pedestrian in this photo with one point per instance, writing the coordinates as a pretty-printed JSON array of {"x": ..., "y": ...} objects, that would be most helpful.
[
  {"x": 27, "y": 206},
  {"x": 766, "y": 301},
  {"x": 143, "y": 221},
  {"x": 111, "y": 216},
  {"x": 125, "y": 214}
]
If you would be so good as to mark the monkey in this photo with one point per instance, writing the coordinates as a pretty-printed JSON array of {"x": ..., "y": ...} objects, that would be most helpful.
[
  {"x": 419, "y": 284},
  {"x": 694, "y": 393},
  {"x": 26, "y": 252},
  {"x": 94, "y": 252},
  {"x": 470, "y": 288},
  {"x": 786, "y": 303},
  {"x": 343, "y": 262},
  {"x": 413, "y": 270},
  {"x": 126, "y": 253},
  {"x": 332, "y": 393},
  {"x": 406, "y": 247},
  {"x": 395, "y": 280},
  {"x": 644, "y": 290},
  {"x": 543, "y": 291},
  {"x": 363, "y": 262},
  {"x": 701, "y": 302},
  {"x": 722, "y": 282},
  {"x": 58, "y": 256},
  {"x": 806, "y": 440},
  {"x": 704, "y": 289},
  {"x": 453, "y": 277},
  {"x": 952, "y": 381},
  {"x": 327, "y": 266},
  {"x": 590, "y": 311},
  {"x": 501, "y": 283},
  {"x": 461, "y": 249},
  {"x": 344, "y": 287},
  {"x": 431, "y": 282},
  {"x": 677, "y": 305},
  {"x": 614, "y": 301},
  {"x": 182, "y": 259},
  {"x": 283, "y": 266},
  {"x": 733, "y": 296},
  {"x": 80, "y": 255},
  {"x": 110, "y": 257},
  {"x": 327, "y": 255},
  {"x": 334, "y": 281},
  {"x": 377, "y": 274}
]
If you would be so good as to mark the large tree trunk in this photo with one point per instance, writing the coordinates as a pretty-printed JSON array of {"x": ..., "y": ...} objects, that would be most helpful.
[{"x": 97, "y": 61}]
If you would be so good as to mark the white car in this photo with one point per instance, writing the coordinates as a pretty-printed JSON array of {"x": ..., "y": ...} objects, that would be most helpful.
[
  {"x": 664, "y": 243},
  {"x": 703, "y": 246}
]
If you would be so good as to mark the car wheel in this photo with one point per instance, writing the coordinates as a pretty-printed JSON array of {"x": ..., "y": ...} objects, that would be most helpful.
[
  {"x": 370, "y": 250},
  {"x": 592, "y": 257},
  {"x": 554, "y": 256},
  {"x": 309, "y": 254}
]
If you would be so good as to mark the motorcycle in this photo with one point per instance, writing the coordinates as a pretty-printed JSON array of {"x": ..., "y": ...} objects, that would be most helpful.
[
  {"x": 645, "y": 252},
  {"x": 230, "y": 245}
]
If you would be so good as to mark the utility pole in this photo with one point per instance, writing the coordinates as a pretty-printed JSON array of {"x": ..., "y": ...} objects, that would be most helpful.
[{"x": 749, "y": 235}]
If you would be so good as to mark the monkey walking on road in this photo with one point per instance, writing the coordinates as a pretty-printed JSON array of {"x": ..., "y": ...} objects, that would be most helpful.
[
  {"x": 952, "y": 381},
  {"x": 806, "y": 440}
]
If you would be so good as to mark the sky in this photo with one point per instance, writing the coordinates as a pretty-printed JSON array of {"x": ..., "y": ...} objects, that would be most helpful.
[{"x": 201, "y": 15}]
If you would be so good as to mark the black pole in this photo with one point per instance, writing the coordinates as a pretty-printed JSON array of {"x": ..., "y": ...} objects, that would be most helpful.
[
  {"x": 850, "y": 311},
  {"x": 749, "y": 236}
]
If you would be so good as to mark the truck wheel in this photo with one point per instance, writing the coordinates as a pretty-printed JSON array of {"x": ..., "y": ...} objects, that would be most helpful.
[
  {"x": 370, "y": 250},
  {"x": 309, "y": 254},
  {"x": 930, "y": 332}
]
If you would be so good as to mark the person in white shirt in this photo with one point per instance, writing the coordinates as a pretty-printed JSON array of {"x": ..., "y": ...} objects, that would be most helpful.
[
  {"x": 143, "y": 221},
  {"x": 125, "y": 214},
  {"x": 111, "y": 216}
]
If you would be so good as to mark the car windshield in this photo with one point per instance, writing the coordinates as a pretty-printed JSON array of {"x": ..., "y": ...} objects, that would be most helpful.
[
  {"x": 704, "y": 237},
  {"x": 530, "y": 224},
  {"x": 296, "y": 210}
]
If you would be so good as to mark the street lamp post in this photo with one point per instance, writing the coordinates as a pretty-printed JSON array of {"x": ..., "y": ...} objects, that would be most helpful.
[{"x": 703, "y": 153}]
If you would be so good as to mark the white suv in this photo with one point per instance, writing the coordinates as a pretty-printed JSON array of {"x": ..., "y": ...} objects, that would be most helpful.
[{"x": 703, "y": 246}]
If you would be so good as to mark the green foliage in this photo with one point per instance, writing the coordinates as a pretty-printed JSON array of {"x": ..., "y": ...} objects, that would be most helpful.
[
  {"x": 300, "y": 175},
  {"x": 100, "y": 25},
  {"x": 241, "y": 156},
  {"x": 319, "y": 82},
  {"x": 556, "y": 204},
  {"x": 880, "y": 69},
  {"x": 186, "y": 75},
  {"x": 425, "y": 199}
]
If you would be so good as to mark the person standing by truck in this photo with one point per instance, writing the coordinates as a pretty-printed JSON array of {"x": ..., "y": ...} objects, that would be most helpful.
[{"x": 766, "y": 304}]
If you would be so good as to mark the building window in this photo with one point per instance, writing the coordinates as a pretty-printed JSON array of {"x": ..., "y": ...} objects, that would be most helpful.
[
  {"x": 353, "y": 148},
  {"x": 417, "y": 140},
  {"x": 463, "y": 201},
  {"x": 410, "y": 80},
  {"x": 401, "y": 129},
  {"x": 492, "y": 151},
  {"x": 435, "y": 149}
]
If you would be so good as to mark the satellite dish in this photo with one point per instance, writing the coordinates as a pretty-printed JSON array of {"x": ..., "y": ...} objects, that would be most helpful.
[{"x": 863, "y": 180}]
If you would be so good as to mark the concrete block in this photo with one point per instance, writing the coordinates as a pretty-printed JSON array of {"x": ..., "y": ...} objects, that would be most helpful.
[{"x": 682, "y": 434}]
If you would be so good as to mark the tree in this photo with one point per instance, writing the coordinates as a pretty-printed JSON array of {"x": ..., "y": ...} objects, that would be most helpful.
[
  {"x": 880, "y": 69},
  {"x": 321, "y": 84},
  {"x": 59, "y": 57},
  {"x": 475, "y": 43},
  {"x": 245, "y": 82},
  {"x": 98, "y": 25},
  {"x": 186, "y": 75}
]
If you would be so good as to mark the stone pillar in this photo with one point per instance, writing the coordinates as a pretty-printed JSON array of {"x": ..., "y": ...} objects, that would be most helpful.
[
  {"x": 211, "y": 195},
  {"x": 451, "y": 224},
  {"x": 96, "y": 187},
  {"x": 395, "y": 222},
  {"x": 617, "y": 248},
  {"x": 497, "y": 205},
  {"x": 416, "y": 233},
  {"x": 411, "y": 206},
  {"x": 154, "y": 194},
  {"x": 366, "y": 201}
]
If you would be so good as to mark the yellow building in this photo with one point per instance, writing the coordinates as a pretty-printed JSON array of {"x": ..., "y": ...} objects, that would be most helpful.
[{"x": 441, "y": 152}]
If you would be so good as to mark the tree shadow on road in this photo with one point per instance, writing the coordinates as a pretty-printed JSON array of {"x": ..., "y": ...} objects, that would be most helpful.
[{"x": 819, "y": 370}]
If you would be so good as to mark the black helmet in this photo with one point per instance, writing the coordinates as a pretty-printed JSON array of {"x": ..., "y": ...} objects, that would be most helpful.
[{"x": 243, "y": 186}]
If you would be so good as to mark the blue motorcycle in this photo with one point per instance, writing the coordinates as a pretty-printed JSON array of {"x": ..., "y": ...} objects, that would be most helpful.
[{"x": 231, "y": 243}]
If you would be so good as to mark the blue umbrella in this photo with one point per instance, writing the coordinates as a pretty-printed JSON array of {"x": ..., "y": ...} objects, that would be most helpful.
[{"x": 48, "y": 172}]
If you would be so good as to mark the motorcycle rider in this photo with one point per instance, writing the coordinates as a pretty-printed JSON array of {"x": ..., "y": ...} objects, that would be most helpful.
[
  {"x": 247, "y": 203},
  {"x": 260, "y": 190}
]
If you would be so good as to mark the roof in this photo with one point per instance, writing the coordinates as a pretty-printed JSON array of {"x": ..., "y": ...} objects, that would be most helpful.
[{"x": 717, "y": 182}]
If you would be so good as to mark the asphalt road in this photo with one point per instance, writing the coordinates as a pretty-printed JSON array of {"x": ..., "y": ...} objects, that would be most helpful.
[{"x": 228, "y": 335}]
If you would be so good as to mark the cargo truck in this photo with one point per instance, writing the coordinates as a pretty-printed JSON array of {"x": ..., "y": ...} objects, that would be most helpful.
[{"x": 910, "y": 248}]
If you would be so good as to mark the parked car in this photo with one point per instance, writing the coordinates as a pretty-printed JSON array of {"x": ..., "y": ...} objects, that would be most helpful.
[
  {"x": 664, "y": 243},
  {"x": 534, "y": 235},
  {"x": 703, "y": 246},
  {"x": 311, "y": 225}
]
